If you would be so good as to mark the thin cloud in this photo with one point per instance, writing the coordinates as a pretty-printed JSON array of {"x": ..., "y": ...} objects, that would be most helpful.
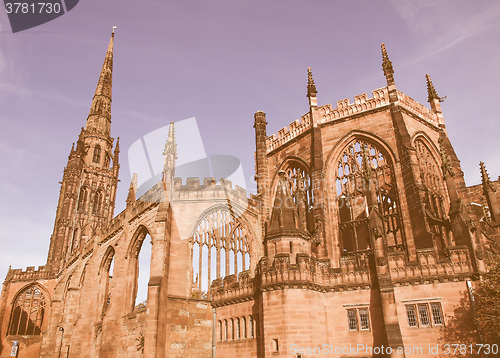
[
  {"x": 51, "y": 96},
  {"x": 441, "y": 27}
]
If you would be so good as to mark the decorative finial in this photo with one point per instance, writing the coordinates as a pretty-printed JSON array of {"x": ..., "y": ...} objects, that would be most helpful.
[
  {"x": 387, "y": 66},
  {"x": 445, "y": 161},
  {"x": 132, "y": 190},
  {"x": 311, "y": 87},
  {"x": 431, "y": 91},
  {"x": 485, "y": 179},
  {"x": 114, "y": 27},
  {"x": 170, "y": 151},
  {"x": 133, "y": 182}
]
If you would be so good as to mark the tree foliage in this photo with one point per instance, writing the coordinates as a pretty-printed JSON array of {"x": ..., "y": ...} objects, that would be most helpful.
[{"x": 487, "y": 304}]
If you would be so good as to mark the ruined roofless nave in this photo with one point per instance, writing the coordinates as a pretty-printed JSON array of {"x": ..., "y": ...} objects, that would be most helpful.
[{"x": 362, "y": 233}]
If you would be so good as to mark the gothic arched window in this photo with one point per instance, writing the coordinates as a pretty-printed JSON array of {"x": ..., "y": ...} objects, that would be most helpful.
[
  {"x": 436, "y": 200},
  {"x": 360, "y": 168},
  {"x": 141, "y": 262},
  {"x": 221, "y": 247},
  {"x": 27, "y": 312},
  {"x": 98, "y": 197},
  {"x": 82, "y": 202},
  {"x": 97, "y": 154},
  {"x": 106, "y": 273}
]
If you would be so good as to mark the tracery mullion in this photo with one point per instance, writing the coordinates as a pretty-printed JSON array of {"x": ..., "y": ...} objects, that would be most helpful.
[{"x": 200, "y": 264}]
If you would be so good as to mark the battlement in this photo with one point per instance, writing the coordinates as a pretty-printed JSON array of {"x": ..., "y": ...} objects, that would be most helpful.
[
  {"x": 380, "y": 98},
  {"x": 29, "y": 274},
  {"x": 232, "y": 288},
  {"x": 429, "y": 266},
  {"x": 286, "y": 134},
  {"x": 418, "y": 108},
  {"x": 361, "y": 104}
]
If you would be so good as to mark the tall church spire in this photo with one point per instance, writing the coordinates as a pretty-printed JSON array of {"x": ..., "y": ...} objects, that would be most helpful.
[{"x": 99, "y": 119}]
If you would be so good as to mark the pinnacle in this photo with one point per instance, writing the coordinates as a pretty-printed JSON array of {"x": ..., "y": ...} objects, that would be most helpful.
[
  {"x": 387, "y": 66},
  {"x": 311, "y": 87},
  {"x": 485, "y": 178}
]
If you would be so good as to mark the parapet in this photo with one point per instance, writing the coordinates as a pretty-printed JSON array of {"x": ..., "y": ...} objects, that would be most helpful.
[
  {"x": 344, "y": 109},
  {"x": 29, "y": 274}
]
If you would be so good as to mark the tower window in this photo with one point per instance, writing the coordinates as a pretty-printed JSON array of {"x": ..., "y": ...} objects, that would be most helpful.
[
  {"x": 27, "y": 312},
  {"x": 97, "y": 154}
]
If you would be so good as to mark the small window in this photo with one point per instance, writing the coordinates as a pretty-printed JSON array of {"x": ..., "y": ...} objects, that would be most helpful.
[
  {"x": 251, "y": 326},
  {"x": 97, "y": 154},
  {"x": 352, "y": 321},
  {"x": 410, "y": 314},
  {"x": 238, "y": 336},
  {"x": 225, "y": 330},
  {"x": 244, "y": 327},
  {"x": 436, "y": 314},
  {"x": 276, "y": 346},
  {"x": 219, "y": 325},
  {"x": 363, "y": 319},
  {"x": 423, "y": 312}
]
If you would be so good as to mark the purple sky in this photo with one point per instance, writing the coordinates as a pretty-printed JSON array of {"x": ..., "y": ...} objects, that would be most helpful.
[{"x": 221, "y": 61}]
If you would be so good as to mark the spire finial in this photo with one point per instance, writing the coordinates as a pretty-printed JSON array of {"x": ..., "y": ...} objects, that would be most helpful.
[
  {"x": 431, "y": 91},
  {"x": 311, "y": 87},
  {"x": 132, "y": 190},
  {"x": 170, "y": 151},
  {"x": 387, "y": 66},
  {"x": 485, "y": 179},
  {"x": 112, "y": 33}
]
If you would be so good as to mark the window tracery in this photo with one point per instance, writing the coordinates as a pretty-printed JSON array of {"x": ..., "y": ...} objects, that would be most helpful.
[
  {"x": 361, "y": 169},
  {"x": 436, "y": 200},
  {"x": 220, "y": 247},
  {"x": 82, "y": 203},
  {"x": 28, "y": 312}
]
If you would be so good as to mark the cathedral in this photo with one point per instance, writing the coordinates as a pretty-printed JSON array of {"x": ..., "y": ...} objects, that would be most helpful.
[{"x": 361, "y": 241}]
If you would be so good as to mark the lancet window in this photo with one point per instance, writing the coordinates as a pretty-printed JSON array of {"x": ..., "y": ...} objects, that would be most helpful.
[
  {"x": 28, "y": 312},
  {"x": 300, "y": 183},
  {"x": 220, "y": 247},
  {"x": 364, "y": 177},
  {"x": 98, "y": 198},
  {"x": 97, "y": 154},
  {"x": 436, "y": 200},
  {"x": 82, "y": 200}
]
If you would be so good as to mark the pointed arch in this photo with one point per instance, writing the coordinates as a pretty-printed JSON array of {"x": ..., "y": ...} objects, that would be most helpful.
[
  {"x": 139, "y": 266},
  {"x": 83, "y": 199},
  {"x": 436, "y": 200},
  {"x": 361, "y": 167},
  {"x": 28, "y": 310},
  {"x": 97, "y": 154},
  {"x": 220, "y": 245}
]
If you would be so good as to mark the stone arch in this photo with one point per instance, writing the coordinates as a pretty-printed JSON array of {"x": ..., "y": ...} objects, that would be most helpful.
[
  {"x": 133, "y": 252},
  {"x": 436, "y": 200},
  {"x": 29, "y": 310},
  {"x": 296, "y": 169},
  {"x": 105, "y": 276},
  {"x": 221, "y": 245},
  {"x": 361, "y": 168}
]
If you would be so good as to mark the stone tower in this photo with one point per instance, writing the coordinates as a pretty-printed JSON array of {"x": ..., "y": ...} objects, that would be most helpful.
[{"x": 88, "y": 189}]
